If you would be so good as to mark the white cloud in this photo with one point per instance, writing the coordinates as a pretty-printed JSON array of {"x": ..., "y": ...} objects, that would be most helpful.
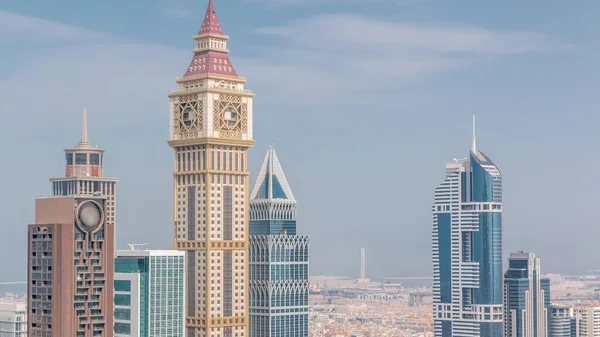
[
  {"x": 322, "y": 57},
  {"x": 337, "y": 54},
  {"x": 15, "y": 26},
  {"x": 124, "y": 86},
  {"x": 280, "y": 3},
  {"x": 74, "y": 68},
  {"x": 327, "y": 58},
  {"x": 344, "y": 32}
]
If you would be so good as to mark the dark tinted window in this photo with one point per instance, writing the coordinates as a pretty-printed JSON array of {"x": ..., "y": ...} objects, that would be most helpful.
[
  {"x": 80, "y": 158},
  {"x": 95, "y": 159}
]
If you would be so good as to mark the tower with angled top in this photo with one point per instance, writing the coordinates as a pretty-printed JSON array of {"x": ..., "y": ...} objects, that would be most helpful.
[
  {"x": 278, "y": 257},
  {"x": 210, "y": 133},
  {"x": 467, "y": 249}
]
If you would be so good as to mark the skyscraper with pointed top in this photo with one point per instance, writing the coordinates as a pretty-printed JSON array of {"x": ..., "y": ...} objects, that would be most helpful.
[
  {"x": 467, "y": 248},
  {"x": 71, "y": 250},
  {"x": 84, "y": 175},
  {"x": 210, "y": 133},
  {"x": 278, "y": 257}
]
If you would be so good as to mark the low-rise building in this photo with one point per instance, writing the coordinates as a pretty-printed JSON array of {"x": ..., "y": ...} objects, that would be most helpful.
[
  {"x": 563, "y": 321},
  {"x": 589, "y": 320},
  {"x": 13, "y": 317}
]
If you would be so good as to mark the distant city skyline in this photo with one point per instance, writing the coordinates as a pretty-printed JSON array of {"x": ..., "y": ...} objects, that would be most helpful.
[{"x": 400, "y": 103}]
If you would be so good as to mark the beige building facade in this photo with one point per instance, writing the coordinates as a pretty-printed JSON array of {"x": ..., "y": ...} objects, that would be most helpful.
[{"x": 210, "y": 133}]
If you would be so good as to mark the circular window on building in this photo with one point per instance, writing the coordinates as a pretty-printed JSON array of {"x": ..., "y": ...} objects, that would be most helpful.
[{"x": 89, "y": 216}]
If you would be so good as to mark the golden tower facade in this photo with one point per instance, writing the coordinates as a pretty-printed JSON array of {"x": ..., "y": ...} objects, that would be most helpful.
[{"x": 211, "y": 132}]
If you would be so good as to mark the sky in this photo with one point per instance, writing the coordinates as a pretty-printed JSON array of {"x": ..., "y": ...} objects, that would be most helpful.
[{"x": 364, "y": 101}]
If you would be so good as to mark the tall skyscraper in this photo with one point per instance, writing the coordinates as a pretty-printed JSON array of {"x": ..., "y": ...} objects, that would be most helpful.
[
  {"x": 211, "y": 132},
  {"x": 526, "y": 297},
  {"x": 71, "y": 251},
  {"x": 467, "y": 249},
  {"x": 278, "y": 257},
  {"x": 149, "y": 293}
]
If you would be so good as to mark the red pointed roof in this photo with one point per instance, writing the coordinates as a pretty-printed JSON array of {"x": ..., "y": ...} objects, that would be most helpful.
[
  {"x": 211, "y": 22},
  {"x": 211, "y": 60}
]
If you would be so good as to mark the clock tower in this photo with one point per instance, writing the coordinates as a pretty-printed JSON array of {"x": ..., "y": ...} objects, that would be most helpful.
[{"x": 210, "y": 133}]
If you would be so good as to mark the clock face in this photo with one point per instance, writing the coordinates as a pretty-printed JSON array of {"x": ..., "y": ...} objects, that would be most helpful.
[
  {"x": 89, "y": 216},
  {"x": 188, "y": 116},
  {"x": 230, "y": 116}
]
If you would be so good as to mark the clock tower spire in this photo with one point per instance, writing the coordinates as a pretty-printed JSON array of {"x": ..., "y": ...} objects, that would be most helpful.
[
  {"x": 211, "y": 22},
  {"x": 210, "y": 52},
  {"x": 210, "y": 133}
]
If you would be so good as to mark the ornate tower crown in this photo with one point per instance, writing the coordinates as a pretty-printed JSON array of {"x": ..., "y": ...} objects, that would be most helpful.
[
  {"x": 211, "y": 54},
  {"x": 211, "y": 101}
]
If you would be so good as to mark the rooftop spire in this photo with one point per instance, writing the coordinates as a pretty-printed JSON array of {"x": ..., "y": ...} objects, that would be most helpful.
[
  {"x": 84, "y": 142},
  {"x": 271, "y": 182},
  {"x": 211, "y": 22},
  {"x": 474, "y": 144},
  {"x": 84, "y": 138}
]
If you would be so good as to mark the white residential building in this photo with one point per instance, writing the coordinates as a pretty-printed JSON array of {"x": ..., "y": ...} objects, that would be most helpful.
[
  {"x": 13, "y": 318},
  {"x": 589, "y": 320}
]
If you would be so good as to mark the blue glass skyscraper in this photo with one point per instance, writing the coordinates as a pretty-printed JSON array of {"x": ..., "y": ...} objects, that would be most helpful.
[
  {"x": 526, "y": 297},
  {"x": 149, "y": 293},
  {"x": 467, "y": 249},
  {"x": 278, "y": 257}
]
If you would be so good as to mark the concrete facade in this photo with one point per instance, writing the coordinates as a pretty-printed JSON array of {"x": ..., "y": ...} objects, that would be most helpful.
[
  {"x": 71, "y": 250},
  {"x": 70, "y": 267}
]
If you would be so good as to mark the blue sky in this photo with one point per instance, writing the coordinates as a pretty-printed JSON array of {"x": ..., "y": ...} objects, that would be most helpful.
[{"x": 365, "y": 102}]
